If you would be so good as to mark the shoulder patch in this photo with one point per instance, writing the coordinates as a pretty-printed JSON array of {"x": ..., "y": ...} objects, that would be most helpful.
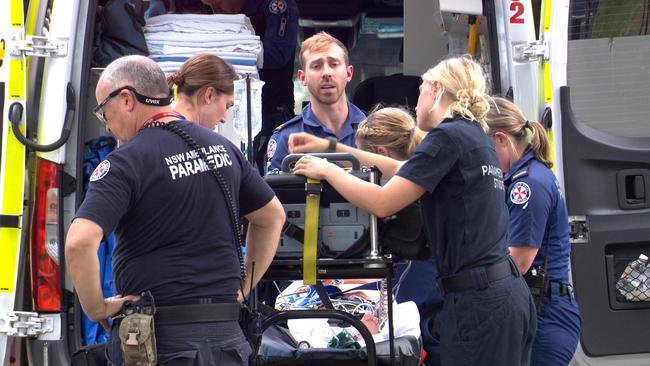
[
  {"x": 270, "y": 150},
  {"x": 101, "y": 170},
  {"x": 288, "y": 123},
  {"x": 520, "y": 193},
  {"x": 277, "y": 6},
  {"x": 520, "y": 174}
]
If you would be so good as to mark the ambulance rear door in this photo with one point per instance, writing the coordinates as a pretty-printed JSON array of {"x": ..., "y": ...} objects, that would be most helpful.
[{"x": 606, "y": 160}]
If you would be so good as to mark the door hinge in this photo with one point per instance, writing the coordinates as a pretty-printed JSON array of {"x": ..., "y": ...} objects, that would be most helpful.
[
  {"x": 578, "y": 229},
  {"x": 28, "y": 324},
  {"x": 530, "y": 51},
  {"x": 38, "y": 46}
]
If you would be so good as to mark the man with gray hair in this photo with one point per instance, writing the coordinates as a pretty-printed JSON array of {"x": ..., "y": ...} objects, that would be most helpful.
[{"x": 176, "y": 239}]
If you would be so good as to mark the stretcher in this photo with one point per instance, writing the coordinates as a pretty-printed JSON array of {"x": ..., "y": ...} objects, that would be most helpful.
[{"x": 347, "y": 248}]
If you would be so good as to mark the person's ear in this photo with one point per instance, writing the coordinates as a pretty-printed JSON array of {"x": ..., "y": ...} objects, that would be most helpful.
[
  {"x": 301, "y": 76},
  {"x": 383, "y": 151},
  {"x": 208, "y": 94},
  {"x": 127, "y": 99},
  {"x": 350, "y": 71},
  {"x": 500, "y": 138}
]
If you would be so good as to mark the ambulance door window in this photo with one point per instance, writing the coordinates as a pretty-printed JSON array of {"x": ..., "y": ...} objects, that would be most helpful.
[{"x": 608, "y": 62}]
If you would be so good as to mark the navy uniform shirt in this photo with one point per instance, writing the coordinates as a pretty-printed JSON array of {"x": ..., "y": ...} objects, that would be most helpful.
[
  {"x": 462, "y": 208},
  {"x": 538, "y": 215},
  {"x": 308, "y": 122},
  {"x": 170, "y": 217},
  {"x": 276, "y": 22}
]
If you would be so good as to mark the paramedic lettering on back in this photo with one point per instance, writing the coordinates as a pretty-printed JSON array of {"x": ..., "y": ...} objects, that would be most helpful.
[
  {"x": 488, "y": 317},
  {"x": 172, "y": 223}
]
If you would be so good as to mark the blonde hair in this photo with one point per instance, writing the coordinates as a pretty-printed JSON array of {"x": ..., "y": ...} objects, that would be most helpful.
[
  {"x": 392, "y": 128},
  {"x": 319, "y": 42},
  {"x": 463, "y": 81},
  {"x": 506, "y": 117}
]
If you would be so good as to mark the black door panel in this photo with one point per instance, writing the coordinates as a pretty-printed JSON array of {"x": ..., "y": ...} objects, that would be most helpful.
[{"x": 606, "y": 180}]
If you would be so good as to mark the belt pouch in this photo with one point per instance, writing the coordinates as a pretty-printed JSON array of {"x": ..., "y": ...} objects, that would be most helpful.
[{"x": 138, "y": 340}]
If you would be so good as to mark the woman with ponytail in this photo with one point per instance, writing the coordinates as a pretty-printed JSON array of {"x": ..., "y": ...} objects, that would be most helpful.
[
  {"x": 392, "y": 132},
  {"x": 488, "y": 317},
  {"x": 204, "y": 89},
  {"x": 538, "y": 234}
]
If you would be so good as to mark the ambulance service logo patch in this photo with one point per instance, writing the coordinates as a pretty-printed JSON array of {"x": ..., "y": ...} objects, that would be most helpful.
[
  {"x": 101, "y": 170},
  {"x": 520, "y": 193},
  {"x": 278, "y": 6},
  {"x": 270, "y": 150}
]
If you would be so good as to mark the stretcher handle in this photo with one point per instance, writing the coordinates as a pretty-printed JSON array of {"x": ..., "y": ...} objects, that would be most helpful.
[
  {"x": 371, "y": 350},
  {"x": 342, "y": 157}
]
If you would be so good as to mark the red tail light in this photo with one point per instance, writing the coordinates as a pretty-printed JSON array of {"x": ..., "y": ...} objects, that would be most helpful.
[{"x": 46, "y": 273}]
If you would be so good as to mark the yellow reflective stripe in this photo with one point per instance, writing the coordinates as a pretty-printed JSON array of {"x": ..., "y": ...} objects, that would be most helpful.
[
  {"x": 9, "y": 238},
  {"x": 31, "y": 17},
  {"x": 548, "y": 9},
  {"x": 14, "y": 164},
  {"x": 16, "y": 80},
  {"x": 548, "y": 89},
  {"x": 552, "y": 143},
  {"x": 17, "y": 13},
  {"x": 12, "y": 204},
  {"x": 310, "y": 247}
]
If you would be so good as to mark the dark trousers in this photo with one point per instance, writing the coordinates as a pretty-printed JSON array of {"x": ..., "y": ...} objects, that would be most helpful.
[
  {"x": 201, "y": 344},
  {"x": 558, "y": 331},
  {"x": 492, "y": 325}
]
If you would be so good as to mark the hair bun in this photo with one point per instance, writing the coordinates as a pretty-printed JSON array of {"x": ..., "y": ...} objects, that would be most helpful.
[
  {"x": 178, "y": 79},
  {"x": 468, "y": 97}
]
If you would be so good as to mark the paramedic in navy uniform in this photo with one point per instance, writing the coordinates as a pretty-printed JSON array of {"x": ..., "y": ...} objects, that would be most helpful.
[
  {"x": 276, "y": 22},
  {"x": 488, "y": 317},
  {"x": 539, "y": 227},
  {"x": 325, "y": 72},
  {"x": 171, "y": 220}
]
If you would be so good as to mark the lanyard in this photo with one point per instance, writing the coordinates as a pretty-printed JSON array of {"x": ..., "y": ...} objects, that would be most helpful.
[
  {"x": 153, "y": 120},
  {"x": 160, "y": 115}
]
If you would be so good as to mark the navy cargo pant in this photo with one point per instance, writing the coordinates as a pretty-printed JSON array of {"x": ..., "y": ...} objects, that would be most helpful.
[
  {"x": 201, "y": 344},
  {"x": 558, "y": 330},
  {"x": 493, "y": 324}
]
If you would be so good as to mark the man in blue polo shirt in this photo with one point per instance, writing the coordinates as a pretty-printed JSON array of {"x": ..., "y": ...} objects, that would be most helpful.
[{"x": 325, "y": 72}]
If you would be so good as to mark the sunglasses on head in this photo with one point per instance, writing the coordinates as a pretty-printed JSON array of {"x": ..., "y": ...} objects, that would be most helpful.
[{"x": 99, "y": 111}]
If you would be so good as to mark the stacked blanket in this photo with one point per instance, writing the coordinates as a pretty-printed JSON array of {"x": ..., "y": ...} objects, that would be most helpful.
[{"x": 173, "y": 38}]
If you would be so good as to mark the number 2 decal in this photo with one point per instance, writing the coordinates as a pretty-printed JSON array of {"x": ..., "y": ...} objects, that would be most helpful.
[{"x": 518, "y": 8}]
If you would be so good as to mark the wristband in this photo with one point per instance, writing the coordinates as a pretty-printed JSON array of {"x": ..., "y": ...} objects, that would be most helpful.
[{"x": 332, "y": 144}]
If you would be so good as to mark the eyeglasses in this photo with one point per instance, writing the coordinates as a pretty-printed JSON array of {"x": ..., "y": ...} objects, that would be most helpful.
[{"x": 101, "y": 115}]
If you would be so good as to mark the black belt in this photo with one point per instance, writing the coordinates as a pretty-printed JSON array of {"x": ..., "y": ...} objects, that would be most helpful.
[
  {"x": 562, "y": 289},
  {"x": 468, "y": 280},
  {"x": 195, "y": 313}
]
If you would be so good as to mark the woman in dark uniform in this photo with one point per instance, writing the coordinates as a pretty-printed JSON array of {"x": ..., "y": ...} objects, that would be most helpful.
[
  {"x": 538, "y": 235},
  {"x": 488, "y": 317}
]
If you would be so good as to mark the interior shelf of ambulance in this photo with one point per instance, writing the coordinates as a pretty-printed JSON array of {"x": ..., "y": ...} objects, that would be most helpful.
[{"x": 617, "y": 257}]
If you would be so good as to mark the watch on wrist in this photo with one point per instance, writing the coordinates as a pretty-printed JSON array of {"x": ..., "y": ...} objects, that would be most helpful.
[{"x": 332, "y": 146}]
